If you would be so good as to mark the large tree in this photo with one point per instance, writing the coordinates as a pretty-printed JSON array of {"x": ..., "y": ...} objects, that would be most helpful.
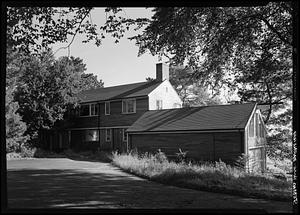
[
  {"x": 47, "y": 87},
  {"x": 245, "y": 48}
]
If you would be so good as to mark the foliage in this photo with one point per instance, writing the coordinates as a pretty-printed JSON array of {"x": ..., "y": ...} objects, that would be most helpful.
[
  {"x": 15, "y": 127},
  {"x": 31, "y": 29},
  {"x": 243, "y": 48},
  {"x": 160, "y": 156},
  {"x": 181, "y": 156},
  {"x": 47, "y": 87},
  {"x": 217, "y": 177},
  {"x": 191, "y": 91}
]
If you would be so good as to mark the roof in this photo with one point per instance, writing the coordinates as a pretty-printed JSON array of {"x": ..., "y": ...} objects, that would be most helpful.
[
  {"x": 118, "y": 92},
  {"x": 215, "y": 117}
]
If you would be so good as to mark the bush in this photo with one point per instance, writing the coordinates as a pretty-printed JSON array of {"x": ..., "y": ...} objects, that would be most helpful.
[
  {"x": 181, "y": 156},
  {"x": 160, "y": 157},
  {"x": 27, "y": 151}
]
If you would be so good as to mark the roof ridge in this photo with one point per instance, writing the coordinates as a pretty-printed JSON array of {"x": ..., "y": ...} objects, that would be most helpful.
[
  {"x": 122, "y": 85},
  {"x": 203, "y": 106}
]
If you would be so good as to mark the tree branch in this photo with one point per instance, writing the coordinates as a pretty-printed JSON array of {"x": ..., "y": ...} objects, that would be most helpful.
[{"x": 68, "y": 46}]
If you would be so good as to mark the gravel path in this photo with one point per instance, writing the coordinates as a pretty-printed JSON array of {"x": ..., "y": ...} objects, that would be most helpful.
[{"x": 65, "y": 183}]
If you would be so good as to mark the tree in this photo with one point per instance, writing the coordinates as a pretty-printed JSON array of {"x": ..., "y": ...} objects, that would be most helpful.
[
  {"x": 15, "y": 127},
  {"x": 31, "y": 29},
  {"x": 48, "y": 87},
  {"x": 248, "y": 48},
  {"x": 191, "y": 92}
]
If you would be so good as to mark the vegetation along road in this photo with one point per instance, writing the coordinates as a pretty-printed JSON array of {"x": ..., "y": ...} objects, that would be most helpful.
[{"x": 65, "y": 183}]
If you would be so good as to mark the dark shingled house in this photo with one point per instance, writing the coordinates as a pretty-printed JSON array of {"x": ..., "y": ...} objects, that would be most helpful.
[{"x": 147, "y": 116}]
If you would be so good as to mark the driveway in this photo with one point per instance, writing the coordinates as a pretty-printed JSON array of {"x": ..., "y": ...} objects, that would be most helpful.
[{"x": 64, "y": 183}]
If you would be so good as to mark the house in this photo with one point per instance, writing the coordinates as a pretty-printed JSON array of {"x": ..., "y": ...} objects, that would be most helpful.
[{"x": 148, "y": 116}]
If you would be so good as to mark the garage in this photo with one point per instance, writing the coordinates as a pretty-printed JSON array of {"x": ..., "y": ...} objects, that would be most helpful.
[{"x": 206, "y": 133}]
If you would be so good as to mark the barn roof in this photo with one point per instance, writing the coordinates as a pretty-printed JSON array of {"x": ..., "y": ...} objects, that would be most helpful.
[
  {"x": 118, "y": 92},
  {"x": 217, "y": 117}
]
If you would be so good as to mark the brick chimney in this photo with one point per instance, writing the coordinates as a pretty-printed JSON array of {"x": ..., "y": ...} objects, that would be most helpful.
[{"x": 162, "y": 71}]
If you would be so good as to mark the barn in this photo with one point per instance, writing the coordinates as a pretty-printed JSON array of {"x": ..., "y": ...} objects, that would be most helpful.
[{"x": 207, "y": 133}]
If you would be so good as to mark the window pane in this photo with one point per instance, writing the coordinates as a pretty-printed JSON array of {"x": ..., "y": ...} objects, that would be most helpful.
[
  {"x": 107, "y": 108},
  {"x": 96, "y": 109},
  {"x": 91, "y": 135},
  {"x": 84, "y": 110},
  {"x": 92, "y": 109},
  {"x": 124, "y": 135},
  {"x": 124, "y": 110},
  {"x": 130, "y": 106},
  {"x": 158, "y": 104}
]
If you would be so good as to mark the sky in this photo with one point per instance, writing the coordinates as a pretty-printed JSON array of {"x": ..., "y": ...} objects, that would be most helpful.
[{"x": 115, "y": 64}]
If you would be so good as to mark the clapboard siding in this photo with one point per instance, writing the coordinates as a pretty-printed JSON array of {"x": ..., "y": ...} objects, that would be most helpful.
[
  {"x": 200, "y": 146},
  {"x": 197, "y": 145},
  {"x": 116, "y": 118},
  {"x": 228, "y": 146}
]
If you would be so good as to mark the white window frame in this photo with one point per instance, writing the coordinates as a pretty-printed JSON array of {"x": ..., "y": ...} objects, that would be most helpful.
[
  {"x": 108, "y": 108},
  {"x": 108, "y": 137},
  {"x": 126, "y": 103},
  {"x": 124, "y": 134},
  {"x": 94, "y": 109},
  {"x": 90, "y": 109},
  {"x": 159, "y": 104}
]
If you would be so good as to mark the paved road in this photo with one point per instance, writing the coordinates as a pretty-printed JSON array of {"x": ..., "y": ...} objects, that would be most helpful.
[{"x": 65, "y": 183}]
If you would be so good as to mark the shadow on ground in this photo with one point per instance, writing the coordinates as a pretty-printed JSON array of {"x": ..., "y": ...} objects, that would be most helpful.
[
  {"x": 64, "y": 183},
  {"x": 71, "y": 188}
]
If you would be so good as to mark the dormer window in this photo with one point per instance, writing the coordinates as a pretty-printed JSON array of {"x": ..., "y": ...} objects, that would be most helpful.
[{"x": 128, "y": 106}]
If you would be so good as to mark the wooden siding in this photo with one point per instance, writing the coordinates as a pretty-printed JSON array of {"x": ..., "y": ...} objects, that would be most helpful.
[
  {"x": 116, "y": 117},
  {"x": 200, "y": 146},
  {"x": 255, "y": 145},
  {"x": 169, "y": 97}
]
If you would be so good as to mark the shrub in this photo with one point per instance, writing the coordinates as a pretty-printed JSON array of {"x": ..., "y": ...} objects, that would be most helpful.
[
  {"x": 181, "y": 156},
  {"x": 27, "y": 151},
  {"x": 160, "y": 157}
]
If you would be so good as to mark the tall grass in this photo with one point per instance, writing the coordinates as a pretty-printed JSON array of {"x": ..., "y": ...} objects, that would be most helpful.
[{"x": 216, "y": 177}]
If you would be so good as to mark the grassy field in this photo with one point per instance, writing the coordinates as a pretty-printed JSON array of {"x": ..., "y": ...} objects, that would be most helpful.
[{"x": 216, "y": 177}]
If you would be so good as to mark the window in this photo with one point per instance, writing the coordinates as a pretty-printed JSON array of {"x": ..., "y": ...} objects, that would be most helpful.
[
  {"x": 129, "y": 106},
  {"x": 94, "y": 109},
  {"x": 107, "y": 108},
  {"x": 91, "y": 135},
  {"x": 158, "y": 104},
  {"x": 108, "y": 135},
  {"x": 84, "y": 110},
  {"x": 166, "y": 89},
  {"x": 89, "y": 110},
  {"x": 124, "y": 134}
]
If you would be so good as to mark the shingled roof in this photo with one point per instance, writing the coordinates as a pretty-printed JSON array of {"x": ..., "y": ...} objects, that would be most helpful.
[
  {"x": 217, "y": 117},
  {"x": 118, "y": 92}
]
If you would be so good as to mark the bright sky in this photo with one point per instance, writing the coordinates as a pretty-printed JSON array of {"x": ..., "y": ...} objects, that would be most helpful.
[{"x": 115, "y": 64}]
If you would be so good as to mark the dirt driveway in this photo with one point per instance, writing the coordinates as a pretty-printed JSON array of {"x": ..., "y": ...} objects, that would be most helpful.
[{"x": 65, "y": 183}]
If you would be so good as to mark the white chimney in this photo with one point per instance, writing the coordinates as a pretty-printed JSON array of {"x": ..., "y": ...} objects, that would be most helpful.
[{"x": 162, "y": 71}]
